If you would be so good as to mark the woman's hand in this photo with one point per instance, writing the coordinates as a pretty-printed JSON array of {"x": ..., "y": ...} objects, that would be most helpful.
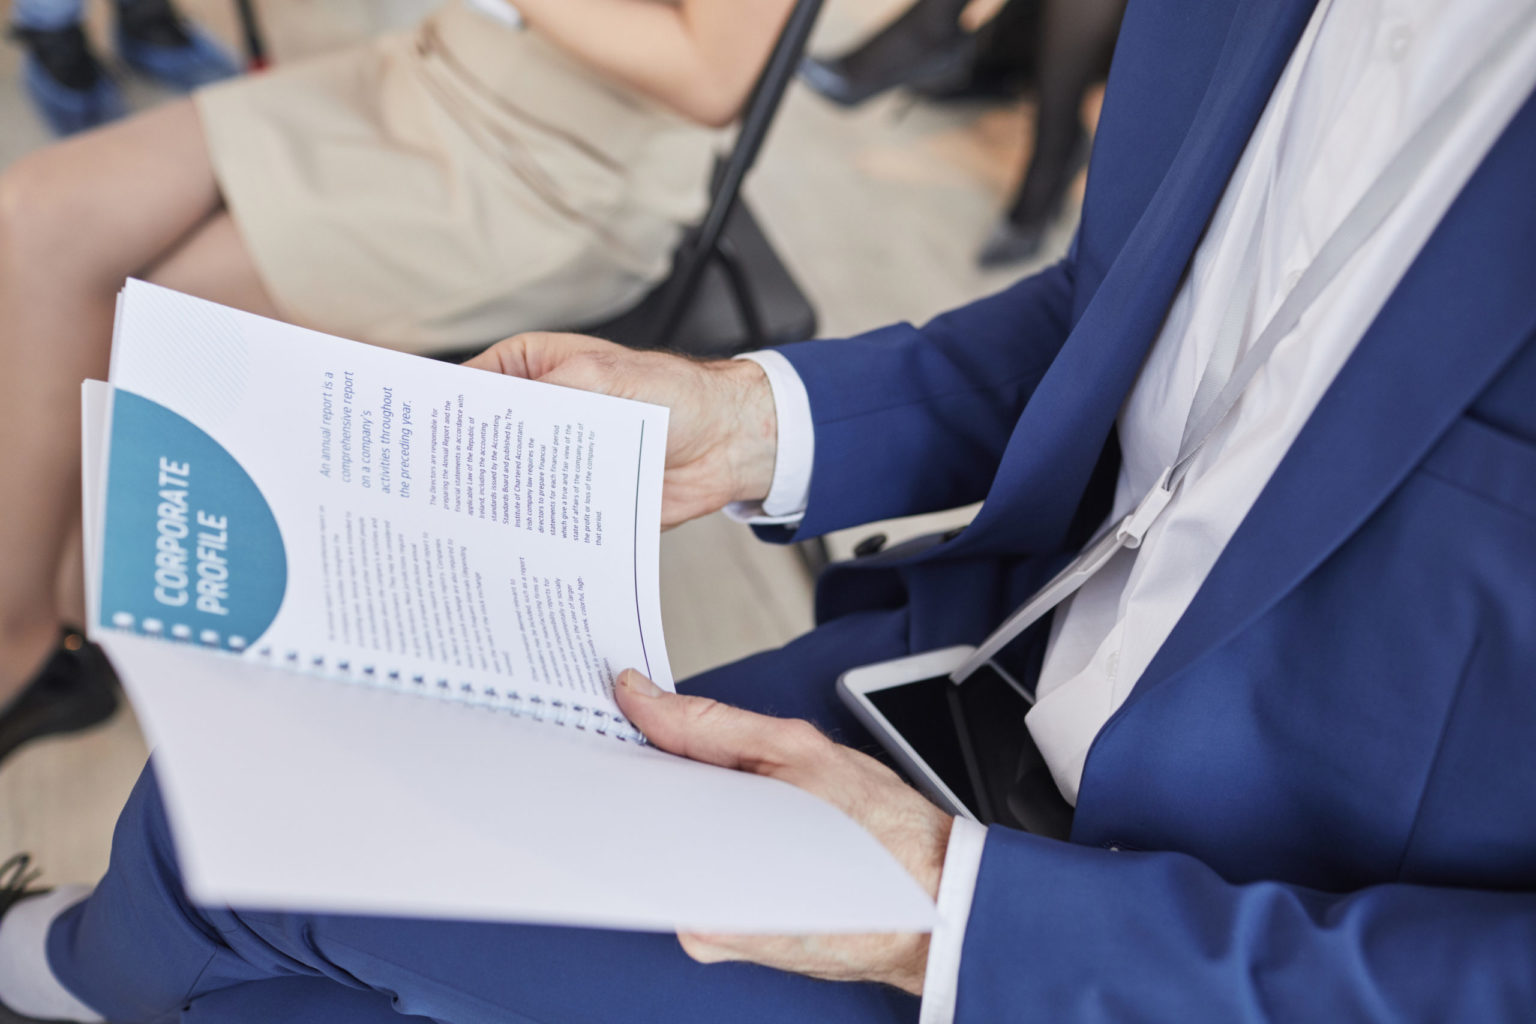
[{"x": 723, "y": 432}]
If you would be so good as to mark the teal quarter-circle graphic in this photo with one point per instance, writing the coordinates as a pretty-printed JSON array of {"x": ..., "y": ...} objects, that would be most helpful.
[{"x": 190, "y": 550}]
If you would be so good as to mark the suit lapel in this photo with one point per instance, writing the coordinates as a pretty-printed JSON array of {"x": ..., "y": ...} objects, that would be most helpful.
[
  {"x": 1053, "y": 447},
  {"x": 1462, "y": 311}
]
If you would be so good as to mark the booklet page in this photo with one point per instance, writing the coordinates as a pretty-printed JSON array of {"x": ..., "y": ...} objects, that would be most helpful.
[
  {"x": 277, "y": 516},
  {"x": 293, "y": 793},
  {"x": 329, "y": 506}
]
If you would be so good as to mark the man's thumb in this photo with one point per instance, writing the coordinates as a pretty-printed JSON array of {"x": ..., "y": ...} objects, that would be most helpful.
[{"x": 704, "y": 729}]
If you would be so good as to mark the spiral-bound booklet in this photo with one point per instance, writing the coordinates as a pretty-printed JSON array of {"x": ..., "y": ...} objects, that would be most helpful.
[{"x": 371, "y": 607}]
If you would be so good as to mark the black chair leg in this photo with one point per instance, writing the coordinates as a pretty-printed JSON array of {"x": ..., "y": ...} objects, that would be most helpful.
[
  {"x": 814, "y": 555},
  {"x": 741, "y": 292},
  {"x": 255, "y": 41}
]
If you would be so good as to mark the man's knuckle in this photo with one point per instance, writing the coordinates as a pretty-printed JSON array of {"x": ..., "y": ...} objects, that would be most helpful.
[
  {"x": 583, "y": 362},
  {"x": 801, "y": 740},
  {"x": 702, "y": 712},
  {"x": 598, "y": 359}
]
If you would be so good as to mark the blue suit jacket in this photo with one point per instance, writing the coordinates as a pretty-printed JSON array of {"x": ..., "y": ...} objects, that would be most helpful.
[{"x": 1319, "y": 802}]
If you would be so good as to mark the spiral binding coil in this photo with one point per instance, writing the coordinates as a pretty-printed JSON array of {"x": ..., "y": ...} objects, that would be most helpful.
[
  {"x": 535, "y": 708},
  {"x": 150, "y": 626}
]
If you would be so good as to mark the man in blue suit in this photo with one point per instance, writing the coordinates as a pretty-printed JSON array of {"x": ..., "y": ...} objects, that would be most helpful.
[{"x": 1295, "y": 721}]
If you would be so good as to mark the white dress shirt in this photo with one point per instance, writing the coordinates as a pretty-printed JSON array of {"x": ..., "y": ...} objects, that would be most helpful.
[{"x": 1364, "y": 76}]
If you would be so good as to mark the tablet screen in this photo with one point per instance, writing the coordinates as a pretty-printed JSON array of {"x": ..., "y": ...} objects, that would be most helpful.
[
  {"x": 921, "y": 713},
  {"x": 973, "y": 737}
]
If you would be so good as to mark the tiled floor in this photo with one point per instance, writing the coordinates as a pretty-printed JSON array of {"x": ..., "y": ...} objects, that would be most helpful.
[{"x": 878, "y": 211}]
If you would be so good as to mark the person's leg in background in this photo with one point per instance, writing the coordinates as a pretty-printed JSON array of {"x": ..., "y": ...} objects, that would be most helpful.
[
  {"x": 137, "y": 951},
  {"x": 1004, "y": 64},
  {"x": 155, "y": 40},
  {"x": 1061, "y": 47},
  {"x": 1074, "y": 44},
  {"x": 67, "y": 81},
  {"x": 924, "y": 44},
  {"x": 76, "y": 219}
]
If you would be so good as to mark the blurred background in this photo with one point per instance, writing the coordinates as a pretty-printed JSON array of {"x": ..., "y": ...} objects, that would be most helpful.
[{"x": 879, "y": 211}]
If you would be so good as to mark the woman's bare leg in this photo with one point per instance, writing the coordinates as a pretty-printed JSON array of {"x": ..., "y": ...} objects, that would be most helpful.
[
  {"x": 75, "y": 220},
  {"x": 211, "y": 263}
]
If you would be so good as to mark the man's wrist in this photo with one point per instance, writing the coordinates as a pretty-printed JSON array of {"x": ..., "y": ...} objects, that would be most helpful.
[
  {"x": 957, "y": 889},
  {"x": 752, "y": 434}
]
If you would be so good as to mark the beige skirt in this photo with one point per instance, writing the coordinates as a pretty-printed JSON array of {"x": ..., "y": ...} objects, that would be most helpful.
[{"x": 446, "y": 187}]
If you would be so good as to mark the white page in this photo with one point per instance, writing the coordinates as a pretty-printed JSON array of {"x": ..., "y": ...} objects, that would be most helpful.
[
  {"x": 367, "y": 800},
  {"x": 95, "y": 413},
  {"x": 442, "y": 529}
]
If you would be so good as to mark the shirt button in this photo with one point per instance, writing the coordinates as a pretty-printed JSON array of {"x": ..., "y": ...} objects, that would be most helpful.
[
  {"x": 1292, "y": 280},
  {"x": 1399, "y": 38}
]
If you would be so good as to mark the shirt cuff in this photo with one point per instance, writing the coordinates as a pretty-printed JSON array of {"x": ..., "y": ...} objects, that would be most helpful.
[
  {"x": 500, "y": 10},
  {"x": 957, "y": 887},
  {"x": 791, "y": 488}
]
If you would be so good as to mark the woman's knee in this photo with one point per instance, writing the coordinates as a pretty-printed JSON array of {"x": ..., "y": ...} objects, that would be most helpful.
[
  {"x": 94, "y": 208},
  {"x": 46, "y": 231},
  {"x": 43, "y": 229}
]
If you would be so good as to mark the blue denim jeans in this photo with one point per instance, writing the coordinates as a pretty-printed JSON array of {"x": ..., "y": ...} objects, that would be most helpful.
[{"x": 45, "y": 14}]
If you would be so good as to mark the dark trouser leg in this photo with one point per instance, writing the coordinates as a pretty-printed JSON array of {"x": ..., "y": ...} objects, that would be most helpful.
[
  {"x": 1074, "y": 44},
  {"x": 137, "y": 951},
  {"x": 1074, "y": 49},
  {"x": 1007, "y": 47}
]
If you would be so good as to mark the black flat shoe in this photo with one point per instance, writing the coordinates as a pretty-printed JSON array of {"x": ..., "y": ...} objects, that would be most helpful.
[
  {"x": 972, "y": 87},
  {"x": 1021, "y": 234},
  {"x": 16, "y": 878},
  {"x": 74, "y": 690}
]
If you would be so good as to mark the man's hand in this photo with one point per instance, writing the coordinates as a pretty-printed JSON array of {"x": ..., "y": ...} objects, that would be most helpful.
[
  {"x": 913, "y": 829},
  {"x": 723, "y": 434}
]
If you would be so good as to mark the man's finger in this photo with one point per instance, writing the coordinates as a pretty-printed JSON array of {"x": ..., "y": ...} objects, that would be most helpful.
[
  {"x": 508, "y": 357},
  {"x": 701, "y": 949},
  {"x": 534, "y": 354},
  {"x": 583, "y": 369},
  {"x": 705, "y": 730}
]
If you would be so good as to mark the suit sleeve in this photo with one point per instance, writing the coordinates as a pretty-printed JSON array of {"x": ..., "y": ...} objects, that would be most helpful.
[
  {"x": 910, "y": 419},
  {"x": 1075, "y": 934}
]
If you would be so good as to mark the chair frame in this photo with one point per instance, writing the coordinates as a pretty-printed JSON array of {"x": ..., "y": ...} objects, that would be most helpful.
[
  {"x": 705, "y": 243},
  {"x": 251, "y": 34}
]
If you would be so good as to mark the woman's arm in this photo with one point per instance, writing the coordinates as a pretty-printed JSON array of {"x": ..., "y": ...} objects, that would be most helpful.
[{"x": 700, "y": 57}]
